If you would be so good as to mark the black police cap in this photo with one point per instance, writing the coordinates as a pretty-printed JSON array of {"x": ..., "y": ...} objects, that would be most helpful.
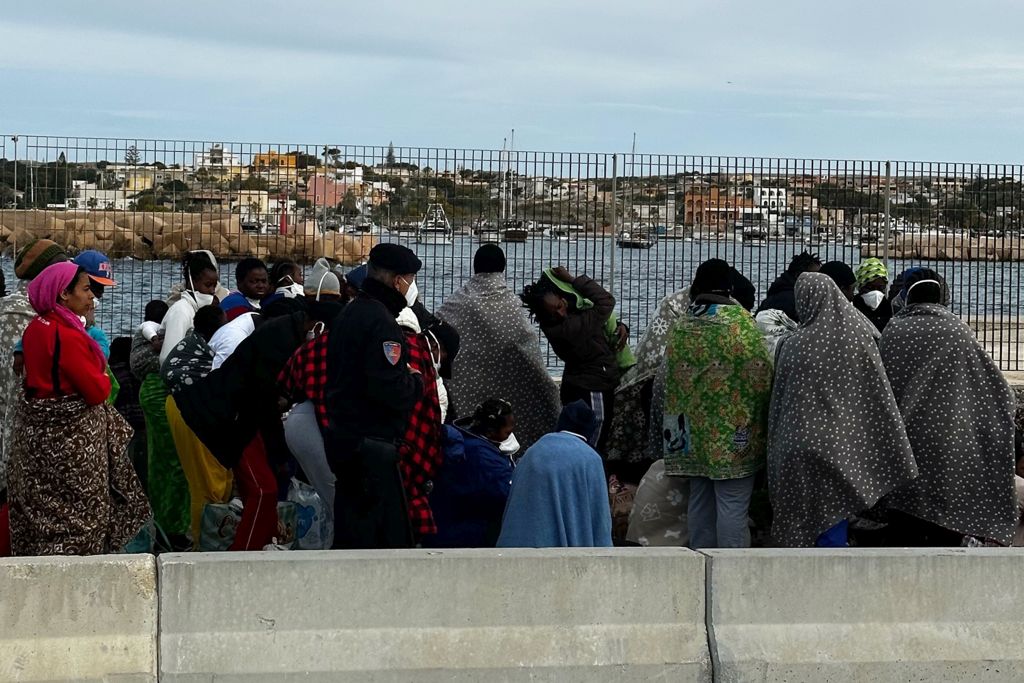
[{"x": 396, "y": 258}]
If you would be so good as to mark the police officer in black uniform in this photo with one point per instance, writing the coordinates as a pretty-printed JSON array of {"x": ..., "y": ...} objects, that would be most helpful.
[{"x": 370, "y": 393}]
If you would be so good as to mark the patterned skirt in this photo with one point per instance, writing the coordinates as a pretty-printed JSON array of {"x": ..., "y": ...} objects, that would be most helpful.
[{"x": 72, "y": 489}]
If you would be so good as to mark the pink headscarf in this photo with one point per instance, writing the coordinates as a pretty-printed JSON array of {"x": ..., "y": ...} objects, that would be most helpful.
[{"x": 44, "y": 295}]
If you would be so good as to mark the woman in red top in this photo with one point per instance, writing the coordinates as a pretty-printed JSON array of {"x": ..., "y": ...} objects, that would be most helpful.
[{"x": 72, "y": 488}]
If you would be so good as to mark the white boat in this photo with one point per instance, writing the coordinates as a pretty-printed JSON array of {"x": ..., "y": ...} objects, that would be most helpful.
[
  {"x": 489, "y": 235},
  {"x": 435, "y": 228}
]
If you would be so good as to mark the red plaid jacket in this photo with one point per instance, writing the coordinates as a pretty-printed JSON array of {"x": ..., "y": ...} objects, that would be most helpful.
[
  {"x": 420, "y": 454},
  {"x": 304, "y": 377}
]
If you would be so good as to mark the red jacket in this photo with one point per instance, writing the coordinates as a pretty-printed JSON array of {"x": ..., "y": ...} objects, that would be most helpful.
[
  {"x": 79, "y": 370},
  {"x": 419, "y": 453}
]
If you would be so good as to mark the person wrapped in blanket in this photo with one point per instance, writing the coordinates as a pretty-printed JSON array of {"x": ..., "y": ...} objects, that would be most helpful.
[
  {"x": 576, "y": 315},
  {"x": 71, "y": 485}
]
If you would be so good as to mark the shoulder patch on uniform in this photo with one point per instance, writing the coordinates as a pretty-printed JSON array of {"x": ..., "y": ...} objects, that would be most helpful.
[{"x": 392, "y": 352}]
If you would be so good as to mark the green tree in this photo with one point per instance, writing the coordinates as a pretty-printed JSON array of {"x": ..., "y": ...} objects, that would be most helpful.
[
  {"x": 254, "y": 183},
  {"x": 349, "y": 205},
  {"x": 390, "y": 158},
  {"x": 132, "y": 156}
]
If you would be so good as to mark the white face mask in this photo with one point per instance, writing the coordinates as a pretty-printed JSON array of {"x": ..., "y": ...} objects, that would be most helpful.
[
  {"x": 873, "y": 299},
  {"x": 203, "y": 299},
  {"x": 292, "y": 291},
  {"x": 442, "y": 398},
  {"x": 412, "y": 293},
  {"x": 509, "y": 446}
]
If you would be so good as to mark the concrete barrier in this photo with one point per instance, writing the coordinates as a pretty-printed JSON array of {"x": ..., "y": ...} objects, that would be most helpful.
[
  {"x": 867, "y": 615},
  {"x": 78, "y": 619},
  {"x": 496, "y": 615}
]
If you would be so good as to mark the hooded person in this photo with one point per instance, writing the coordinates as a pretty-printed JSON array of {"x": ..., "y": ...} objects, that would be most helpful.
[
  {"x": 635, "y": 441},
  {"x": 221, "y": 292},
  {"x": 959, "y": 413},
  {"x": 781, "y": 296},
  {"x": 559, "y": 494},
  {"x": 836, "y": 441},
  {"x": 871, "y": 300},
  {"x": 718, "y": 384},
  {"x": 444, "y": 342},
  {"x": 499, "y": 353},
  {"x": 72, "y": 488},
  {"x": 16, "y": 313}
]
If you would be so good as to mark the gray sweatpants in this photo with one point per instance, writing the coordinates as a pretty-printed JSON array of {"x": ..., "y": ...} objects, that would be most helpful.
[
  {"x": 302, "y": 433},
  {"x": 718, "y": 512}
]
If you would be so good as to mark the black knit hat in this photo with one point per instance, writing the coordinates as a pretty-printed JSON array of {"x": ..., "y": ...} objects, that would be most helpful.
[{"x": 396, "y": 258}]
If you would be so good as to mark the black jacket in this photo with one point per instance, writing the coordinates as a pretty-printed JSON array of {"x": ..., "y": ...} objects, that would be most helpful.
[
  {"x": 880, "y": 316},
  {"x": 229, "y": 406},
  {"x": 370, "y": 391},
  {"x": 581, "y": 342},
  {"x": 781, "y": 296}
]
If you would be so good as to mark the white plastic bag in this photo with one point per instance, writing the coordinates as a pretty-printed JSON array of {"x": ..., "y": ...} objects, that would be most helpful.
[{"x": 313, "y": 530}]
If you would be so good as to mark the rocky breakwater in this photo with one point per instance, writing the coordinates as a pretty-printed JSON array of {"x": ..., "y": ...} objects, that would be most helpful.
[
  {"x": 949, "y": 248},
  {"x": 153, "y": 235}
]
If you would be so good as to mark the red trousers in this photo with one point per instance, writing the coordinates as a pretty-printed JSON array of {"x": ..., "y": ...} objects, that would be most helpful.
[{"x": 258, "y": 488}]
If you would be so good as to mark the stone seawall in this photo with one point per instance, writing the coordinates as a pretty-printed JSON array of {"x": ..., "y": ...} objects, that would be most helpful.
[{"x": 155, "y": 235}]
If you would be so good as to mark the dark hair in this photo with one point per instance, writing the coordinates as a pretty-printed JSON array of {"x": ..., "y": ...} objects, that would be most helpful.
[
  {"x": 490, "y": 416},
  {"x": 489, "y": 259},
  {"x": 281, "y": 270},
  {"x": 208, "y": 320},
  {"x": 246, "y": 266},
  {"x": 533, "y": 296},
  {"x": 195, "y": 263},
  {"x": 802, "y": 262},
  {"x": 78, "y": 274},
  {"x": 120, "y": 350},
  {"x": 155, "y": 311},
  {"x": 840, "y": 273}
]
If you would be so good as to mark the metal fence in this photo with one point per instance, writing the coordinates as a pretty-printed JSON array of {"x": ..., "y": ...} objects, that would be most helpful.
[{"x": 640, "y": 223}]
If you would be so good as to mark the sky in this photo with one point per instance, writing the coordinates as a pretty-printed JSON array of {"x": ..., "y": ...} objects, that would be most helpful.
[{"x": 933, "y": 81}]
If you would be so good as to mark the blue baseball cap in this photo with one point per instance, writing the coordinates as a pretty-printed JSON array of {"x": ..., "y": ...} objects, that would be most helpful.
[{"x": 97, "y": 265}]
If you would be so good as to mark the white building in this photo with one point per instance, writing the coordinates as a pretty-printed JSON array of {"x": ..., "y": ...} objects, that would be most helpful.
[
  {"x": 215, "y": 157},
  {"x": 85, "y": 195},
  {"x": 770, "y": 199}
]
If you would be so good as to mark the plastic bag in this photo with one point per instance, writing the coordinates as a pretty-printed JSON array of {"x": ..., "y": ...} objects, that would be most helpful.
[
  {"x": 314, "y": 531},
  {"x": 220, "y": 522}
]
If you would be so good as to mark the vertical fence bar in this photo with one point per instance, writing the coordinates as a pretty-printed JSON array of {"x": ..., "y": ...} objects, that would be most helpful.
[
  {"x": 615, "y": 222},
  {"x": 888, "y": 224}
]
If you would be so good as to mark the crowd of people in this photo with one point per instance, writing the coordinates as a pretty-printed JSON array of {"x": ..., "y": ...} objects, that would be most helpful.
[{"x": 840, "y": 411}]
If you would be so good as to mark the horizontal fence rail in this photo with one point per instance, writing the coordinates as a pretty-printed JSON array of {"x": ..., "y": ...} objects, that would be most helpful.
[{"x": 640, "y": 223}]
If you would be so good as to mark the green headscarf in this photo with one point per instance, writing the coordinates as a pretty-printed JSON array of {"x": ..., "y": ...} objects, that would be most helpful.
[{"x": 625, "y": 357}]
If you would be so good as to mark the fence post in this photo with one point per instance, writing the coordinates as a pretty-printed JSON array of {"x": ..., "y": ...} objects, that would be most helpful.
[
  {"x": 615, "y": 213},
  {"x": 888, "y": 229}
]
